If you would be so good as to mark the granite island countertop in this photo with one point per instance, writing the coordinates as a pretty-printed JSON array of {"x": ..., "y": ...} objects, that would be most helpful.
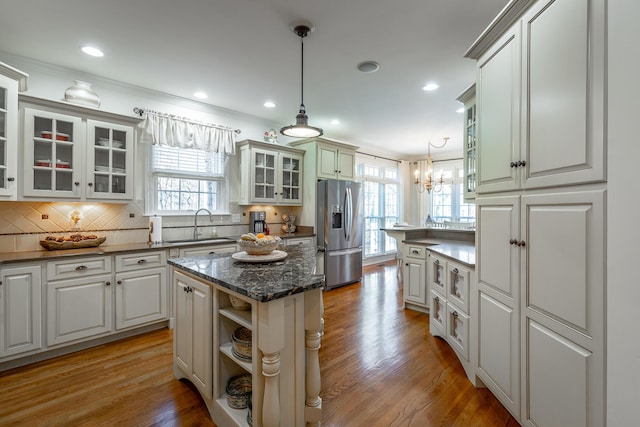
[{"x": 260, "y": 281}]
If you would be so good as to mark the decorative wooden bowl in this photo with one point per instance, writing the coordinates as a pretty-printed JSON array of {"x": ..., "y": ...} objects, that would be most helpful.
[{"x": 52, "y": 245}]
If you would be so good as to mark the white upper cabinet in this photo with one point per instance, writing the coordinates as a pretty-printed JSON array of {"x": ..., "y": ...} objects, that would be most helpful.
[
  {"x": 11, "y": 81},
  {"x": 70, "y": 155},
  {"x": 540, "y": 97},
  {"x": 270, "y": 174}
]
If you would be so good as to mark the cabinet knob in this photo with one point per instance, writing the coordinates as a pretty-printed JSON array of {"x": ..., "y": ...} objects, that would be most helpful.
[
  {"x": 513, "y": 164},
  {"x": 81, "y": 268},
  {"x": 407, "y": 264},
  {"x": 436, "y": 262},
  {"x": 513, "y": 241},
  {"x": 11, "y": 179},
  {"x": 119, "y": 282},
  {"x": 0, "y": 282},
  {"x": 522, "y": 163},
  {"x": 455, "y": 271},
  {"x": 436, "y": 299},
  {"x": 454, "y": 314},
  {"x": 142, "y": 261},
  {"x": 90, "y": 184},
  {"x": 107, "y": 283},
  {"x": 212, "y": 253},
  {"x": 521, "y": 243},
  {"x": 77, "y": 183}
]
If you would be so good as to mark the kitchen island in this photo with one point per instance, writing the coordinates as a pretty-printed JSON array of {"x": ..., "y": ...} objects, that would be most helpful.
[{"x": 283, "y": 311}]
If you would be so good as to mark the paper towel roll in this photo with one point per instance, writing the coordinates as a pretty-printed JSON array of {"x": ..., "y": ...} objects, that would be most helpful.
[{"x": 155, "y": 229}]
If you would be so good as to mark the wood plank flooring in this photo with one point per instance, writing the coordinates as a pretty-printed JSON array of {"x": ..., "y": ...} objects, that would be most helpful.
[{"x": 380, "y": 367}]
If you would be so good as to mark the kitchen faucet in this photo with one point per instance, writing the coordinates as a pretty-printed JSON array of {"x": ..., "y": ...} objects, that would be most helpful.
[{"x": 195, "y": 222}]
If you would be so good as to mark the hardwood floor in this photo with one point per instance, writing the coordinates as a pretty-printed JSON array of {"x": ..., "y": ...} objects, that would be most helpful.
[{"x": 380, "y": 367}]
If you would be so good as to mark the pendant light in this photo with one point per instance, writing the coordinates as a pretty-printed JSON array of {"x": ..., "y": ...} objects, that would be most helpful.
[{"x": 301, "y": 129}]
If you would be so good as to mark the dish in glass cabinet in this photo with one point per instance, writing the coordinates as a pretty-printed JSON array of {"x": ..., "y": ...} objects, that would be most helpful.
[{"x": 276, "y": 255}]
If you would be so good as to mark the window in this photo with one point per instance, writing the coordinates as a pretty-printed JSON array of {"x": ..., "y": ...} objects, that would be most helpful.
[
  {"x": 380, "y": 190},
  {"x": 448, "y": 203},
  {"x": 186, "y": 180}
]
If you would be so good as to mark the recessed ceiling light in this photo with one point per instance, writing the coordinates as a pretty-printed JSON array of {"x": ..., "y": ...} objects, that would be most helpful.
[
  {"x": 93, "y": 51},
  {"x": 430, "y": 86},
  {"x": 270, "y": 104},
  {"x": 460, "y": 110},
  {"x": 368, "y": 66},
  {"x": 201, "y": 95},
  {"x": 335, "y": 122}
]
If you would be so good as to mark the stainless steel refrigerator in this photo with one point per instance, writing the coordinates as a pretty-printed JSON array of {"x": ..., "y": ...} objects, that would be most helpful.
[{"x": 339, "y": 231}]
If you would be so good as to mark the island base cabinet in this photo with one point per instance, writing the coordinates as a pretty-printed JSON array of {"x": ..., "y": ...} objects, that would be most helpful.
[
  {"x": 20, "y": 310},
  {"x": 193, "y": 332}
]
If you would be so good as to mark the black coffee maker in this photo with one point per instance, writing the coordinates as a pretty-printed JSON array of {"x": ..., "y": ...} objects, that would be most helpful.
[{"x": 258, "y": 221}]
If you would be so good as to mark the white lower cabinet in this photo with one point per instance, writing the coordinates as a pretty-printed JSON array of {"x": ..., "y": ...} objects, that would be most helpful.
[
  {"x": 20, "y": 309},
  {"x": 79, "y": 308},
  {"x": 141, "y": 288},
  {"x": 192, "y": 341},
  {"x": 414, "y": 275},
  {"x": 450, "y": 314}
]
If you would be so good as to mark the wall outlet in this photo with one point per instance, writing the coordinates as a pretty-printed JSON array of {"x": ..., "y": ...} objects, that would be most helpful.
[
  {"x": 45, "y": 216},
  {"x": 235, "y": 218}
]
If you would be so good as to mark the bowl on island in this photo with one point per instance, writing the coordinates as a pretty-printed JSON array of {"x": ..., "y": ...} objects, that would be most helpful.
[{"x": 258, "y": 244}]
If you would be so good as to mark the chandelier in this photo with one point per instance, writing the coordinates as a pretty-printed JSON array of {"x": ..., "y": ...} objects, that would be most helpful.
[{"x": 429, "y": 183}]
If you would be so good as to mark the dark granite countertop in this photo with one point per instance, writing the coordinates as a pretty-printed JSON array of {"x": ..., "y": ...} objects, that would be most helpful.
[
  {"x": 261, "y": 281},
  {"x": 106, "y": 249}
]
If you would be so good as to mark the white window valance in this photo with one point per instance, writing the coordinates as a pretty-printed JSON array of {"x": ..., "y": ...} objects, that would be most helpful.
[{"x": 166, "y": 129}]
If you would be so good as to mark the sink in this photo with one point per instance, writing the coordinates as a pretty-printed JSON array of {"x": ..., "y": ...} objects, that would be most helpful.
[{"x": 190, "y": 241}]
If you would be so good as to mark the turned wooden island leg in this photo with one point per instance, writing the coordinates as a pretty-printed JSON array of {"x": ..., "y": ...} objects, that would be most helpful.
[
  {"x": 313, "y": 324},
  {"x": 271, "y": 342}
]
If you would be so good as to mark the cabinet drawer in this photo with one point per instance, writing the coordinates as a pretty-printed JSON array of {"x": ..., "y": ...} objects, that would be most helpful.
[
  {"x": 299, "y": 241},
  {"x": 78, "y": 267},
  {"x": 140, "y": 260},
  {"x": 458, "y": 330},
  {"x": 458, "y": 286},
  {"x": 417, "y": 252},
  {"x": 208, "y": 250},
  {"x": 437, "y": 315}
]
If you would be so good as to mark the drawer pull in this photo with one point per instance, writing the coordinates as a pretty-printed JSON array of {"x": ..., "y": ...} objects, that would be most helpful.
[
  {"x": 455, "y": 271},
  {"x": 436, "y": 299},
  {"x": 436, "y": 262},
  {"x": 142, "y": 261},
  {"x": 415, "y": 252},
  {"x": 108, "y": 283},
  {"x": 454, "y": 314},
  {"x": 212, "y": 253},
  {"x": 82, "y": 268},
  {"x": 119, "y": 282}
]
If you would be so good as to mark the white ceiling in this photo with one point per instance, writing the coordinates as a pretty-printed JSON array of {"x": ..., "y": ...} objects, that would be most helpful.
[{"x": 242, "y": 53}]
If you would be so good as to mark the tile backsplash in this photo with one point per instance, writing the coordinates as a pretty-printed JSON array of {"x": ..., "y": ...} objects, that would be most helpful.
[{"x": 24, "y": 224}]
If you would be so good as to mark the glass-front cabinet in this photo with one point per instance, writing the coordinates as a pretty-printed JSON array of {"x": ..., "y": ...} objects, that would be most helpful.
[
  {"x": 52, "y": 154},
  {"x": 11, "y": 81},
  {"x": 468, "y": 98},
  {"x": 72, "y": 156},
  {"x": 270, "y": 174},
  {"x": 111, "y": 155}
]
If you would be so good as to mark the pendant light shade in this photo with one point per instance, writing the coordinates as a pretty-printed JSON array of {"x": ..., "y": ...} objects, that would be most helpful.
[{"x": 301, "y": 129}]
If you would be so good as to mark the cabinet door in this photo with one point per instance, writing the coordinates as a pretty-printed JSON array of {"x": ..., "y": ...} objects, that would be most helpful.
[
  {"x": 346, "y": 162},
  {"x": 415, "y": 285},
  {"x": 437, "y": 274},
  {"x": 498, "y": 350},
  {"x": 458, "y": 330},
  {"x": 290, "y": 185},
  {"x": 498, "y": 104},
  {"x": 469, "y": 150},
  {"x": 8, "y": 137},
  {"x": 563, "y": 112},
  {"x": 52, "y": 154},
  {"x": 193, "y": 351},
  {"x": 263, "y": 170},
  {"x": 110, "y": 150},
  {"x": 438, "y": 315},
  {"x": 20, "y": 309},
  {"x": 458, "y": 286},
  {"x": 79, "y": 308},
  {"x": 141, "y": 297},
  {"x": 327, "y": 162}
]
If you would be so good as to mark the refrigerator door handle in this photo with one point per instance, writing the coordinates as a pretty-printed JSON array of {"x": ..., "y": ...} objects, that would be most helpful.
[{"x": 348, "y": 207}]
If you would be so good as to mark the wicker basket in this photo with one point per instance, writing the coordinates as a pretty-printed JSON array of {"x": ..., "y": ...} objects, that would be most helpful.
[
  {"x": 259, "y": 247},
  {"x": 239, "y": 304},
  {"x": 241, "y": 340},
  {"x": 239, "y": 391}
]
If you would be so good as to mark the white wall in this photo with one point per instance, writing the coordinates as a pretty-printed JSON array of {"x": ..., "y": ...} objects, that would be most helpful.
[{"x": 623, "y": 284}]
